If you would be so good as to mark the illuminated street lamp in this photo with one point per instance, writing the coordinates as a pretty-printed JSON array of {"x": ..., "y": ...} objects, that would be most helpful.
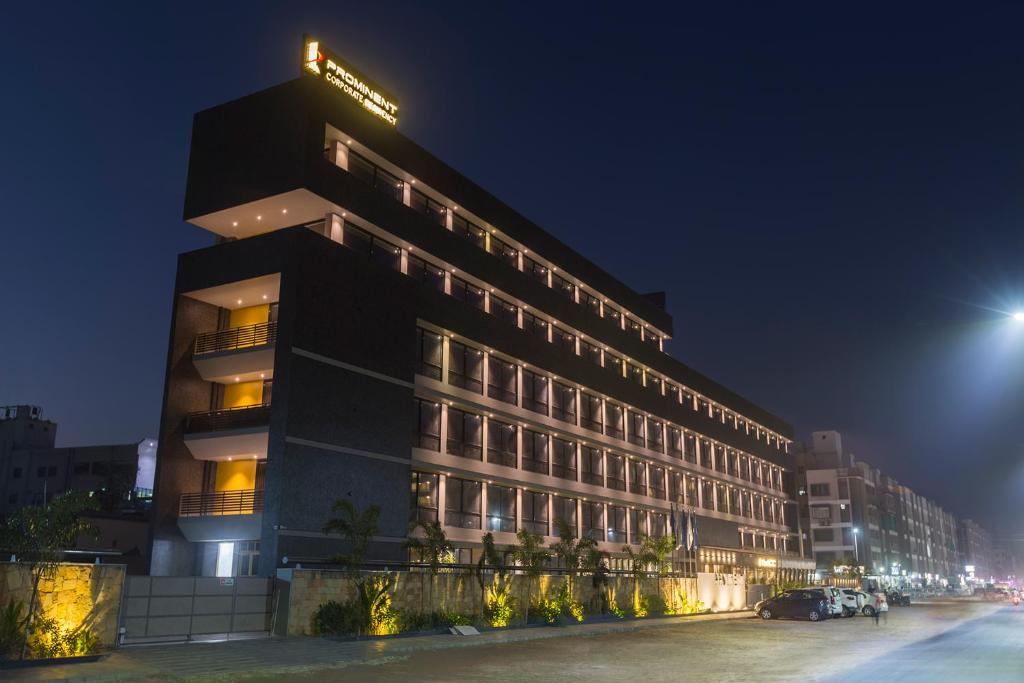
[
  {"x": 856, "y": 548},
  {"x": 1019, "y": 316}
]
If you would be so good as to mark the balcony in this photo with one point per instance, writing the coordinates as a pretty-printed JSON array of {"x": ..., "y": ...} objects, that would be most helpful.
[
  {"x": 237, "y": 354},
  {"x": 228, "y": 433},
  {"x": 221, "y": 515}
]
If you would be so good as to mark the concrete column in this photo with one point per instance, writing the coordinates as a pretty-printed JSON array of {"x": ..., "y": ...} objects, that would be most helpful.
[
  {"x": 338, "y": 154},
  {"x": 485, "y": 375},
  {"x": 483, "y": 507},
  {"x": 335, "y": 227},
  {"x": 519, "y": 508},
  {"x": 407, "y": 194},
  {"x": 700, "y": 493},
  {"x": 448, "y": 219},
  {"x": 483, "y": 437},
  {"x": 444, "y": 428},
  {"x": 444, "y": 358},
  {"x": 405, "y": 262},
  {"x": 442, "y": 489},
  {"x": 487, "y": 301},
  {"x": 447, "y": 283},
  {"x": 519, "y": 447},
  {"x": 519, "y": 383}
]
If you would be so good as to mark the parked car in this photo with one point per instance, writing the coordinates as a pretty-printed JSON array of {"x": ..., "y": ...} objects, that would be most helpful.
[
  {"x": 835, "y": 599},
  {"x": 853, "y": 601},
  {"x": 869, "y": 608},
  {"x": 812, "y": 604}
]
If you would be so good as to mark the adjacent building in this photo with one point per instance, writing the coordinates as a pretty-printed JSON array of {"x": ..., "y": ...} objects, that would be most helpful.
[
  {"x": 978, "y": 552},
  {"x": 373, "y": 326}
]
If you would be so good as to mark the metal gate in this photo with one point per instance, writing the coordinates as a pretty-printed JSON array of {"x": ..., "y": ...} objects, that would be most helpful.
[{"x": 182, "y": 608}]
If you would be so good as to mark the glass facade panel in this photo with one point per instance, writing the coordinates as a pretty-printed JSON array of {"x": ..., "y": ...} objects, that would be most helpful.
[{"x": 462, "y": 503}]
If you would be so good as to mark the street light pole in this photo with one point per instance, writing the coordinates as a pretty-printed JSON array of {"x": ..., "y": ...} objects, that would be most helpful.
[{"x": 856, "y": 546}]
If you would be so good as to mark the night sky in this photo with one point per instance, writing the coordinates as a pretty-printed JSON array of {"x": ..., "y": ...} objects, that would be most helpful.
[{"x": 830, "y": 195}]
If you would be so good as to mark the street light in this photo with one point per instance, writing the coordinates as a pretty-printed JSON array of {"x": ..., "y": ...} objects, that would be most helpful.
[
  {"x": 1019, "y": 316},
  {"x": 856, "y": 548}
]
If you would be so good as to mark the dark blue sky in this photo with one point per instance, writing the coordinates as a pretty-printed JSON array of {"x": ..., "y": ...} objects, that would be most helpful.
[{"x": 829, "y": 195}]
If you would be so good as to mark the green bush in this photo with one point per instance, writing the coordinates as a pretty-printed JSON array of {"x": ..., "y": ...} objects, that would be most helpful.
[
  {"x": 500, "y": 606},
  {"x": 48, "y": 640},
  {"x": 338, "y": 618},
  {"x": 418, "y": 621},
  {"x": 12, "y": 629}
]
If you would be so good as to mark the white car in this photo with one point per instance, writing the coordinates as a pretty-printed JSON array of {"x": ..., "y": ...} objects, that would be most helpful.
[
  {"x": 854, "y": 601},
  {"x": 835, "y": 602}
]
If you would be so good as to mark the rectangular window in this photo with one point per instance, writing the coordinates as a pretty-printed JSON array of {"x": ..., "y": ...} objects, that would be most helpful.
[
  {"x": 821, "y": 490},
  {"x": 469, "y": 231},
  {"x": 591, "y": 466},
  {"x": 501, "y": 443},
  {"x": 535, "y": 392},
  {"x": 467, "y": 293},
  {"x": 563, "y": 461},
  {"x": 563, "y": 339},
  {"x": 720, "y": 458},
  {"x": 379, "y": 179},
  {"x": 591, "y": 352},
  {"x": 505, "y": 252},
  {"x": 616, "y": 524},
  {"x": 566, "y": 288},
  {"x": 536, "y": 270},
  {"x": 690, "y": 486},
  {"x": 593, "y": 520},
  {"x": 78, "y": 468},
  {"x": 535, "y": 512},
  {"x": 465, "y": 434},
  {"x": 462, "y": 503},
  {"x": 535, "y": 326},
  {"x": 465, "y": 367},
  {"x": 659, "y": 524},
  {"x": 535, "y": 451},
  {"x": 563, "y": 402},
  {"x": 634, "y": 374},
  {"x": 614, "y": 420},
  {"x": 657, "y": 477},
  {"x": 636, "y": 429},
  {"x": 502, "y": 380},
  {"x": 672, "y": 391},
  {"x": 655, "y": 435},
  {"x": 357, "y": 239},
  {"x": 591, "y": 414},
  {"x": 616, "y": 472},
  {"x": 590, "y": 302},
  {"x": 723, "y": 499},
  {"x": 675, "y": 487},
  {"x": 614, "y": 364},
  {"x": 744, "y": 467},
  {"x": 675, "y": 442},
  {"x": 613, "y": 315},
  {"x": 564, "y": 509},
  {"x": 426, "y": 432},
  {"x": 734, "y": 500},
  {"x": 423, "y": 502},
  {"x": 824, "y": 535},
  {"x": 707, "y": 491},
  {"x": 705, "y": 453},
  {"x": 637, "y": 525},
  {"x": 637, "y": 477},
  {"x": 634, "y": 328},
  {"x": 690, "y": 447},
  {"x": 504, "y": 310},
  {"x": 434, "y": 210},
  {"x": 428, "y": 353},
  {"x": 758, "y": 512},
  {"x": 652, "y": 339},
  {"x": 427, "y": 273},
  {"x": 501, "y": 508},
  {"x": 653, "y": 382}
]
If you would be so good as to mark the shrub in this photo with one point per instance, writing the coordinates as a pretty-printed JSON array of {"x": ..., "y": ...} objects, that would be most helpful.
[
  {"x": 338, "y": 618},
  {"x": 12, "y": 625},
  {"x": 499, "y": 608},
  {"x": 48, "y": 640}
]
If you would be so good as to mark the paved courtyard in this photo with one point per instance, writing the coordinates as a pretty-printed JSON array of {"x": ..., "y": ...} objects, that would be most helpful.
[{"x": 944, "y": 641}]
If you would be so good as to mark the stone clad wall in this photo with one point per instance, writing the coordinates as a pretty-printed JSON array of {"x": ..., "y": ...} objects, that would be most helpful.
[
  {"x": 76, "y": 595},
  {"x": 460, "y": 592}
]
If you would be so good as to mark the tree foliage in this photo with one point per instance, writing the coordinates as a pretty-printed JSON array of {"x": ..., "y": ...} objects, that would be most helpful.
[{"x": 357, "y": 527}]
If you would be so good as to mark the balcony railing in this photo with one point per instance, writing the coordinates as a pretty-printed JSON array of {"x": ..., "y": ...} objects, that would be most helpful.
[
  {"x": 228, "y": 418},
  {"x": 241, "y": 502},
  {"x": 249, "y": 336}
]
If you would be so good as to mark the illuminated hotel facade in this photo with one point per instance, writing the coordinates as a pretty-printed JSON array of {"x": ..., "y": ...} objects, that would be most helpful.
[{"x": 372, "y": 326}]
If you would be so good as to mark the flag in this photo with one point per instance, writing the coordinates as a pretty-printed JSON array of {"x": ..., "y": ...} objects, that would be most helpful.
[
  {"x": 676, "y": 520},
  {"x": 691, "y": 532}
]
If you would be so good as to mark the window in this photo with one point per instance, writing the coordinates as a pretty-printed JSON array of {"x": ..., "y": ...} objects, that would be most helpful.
[
  {"x": 636, "y": 428},
  {"x": 462, "y": 503},
  {"x": 675, "y": 487},
  {"x": 535, "y": 392},
  {"x": 41, "y": 473},
  {"x": 634, "y": 328},
  {"x": 423, "y": 499},
  {"x": 427, "y": 425},
  {"x": 502, "y": 380},
  {"x": 536, "y": 270},
  {"x": 563, "y": 339},
  {"x": 501, "y": 443},
  {"x": 564, "y": 509},
  {"x": 672, "y": 391},
  {"x": 375, "y": 176},
  {"x": 591, "y": 352},
  {"x": 723, "y": 499},
  {"x": 101, "y": 468},
  {"x": 427, "y": 273},
  {"x": 563, "y": 461},
  {"x": 659, "y": 524},
  {"x": 690, "y": 487},
  {"x": 756, "y": 504},
  {"x": 657, "y": 477},
  {"x": 720, "y": 458},
  {"x": 634, "y": 374},
  {"x": 560, "y": 284},
  {"x": 465, "y": 367},
  {"x": 637, "y": 525},
  {"x": 613, "y": 315},
  {"x": 563, "y": 402},
  {"x": 535, "y": 512},
  {"x": 505, "y": 252},
  {"x": 844, "y": 489},
  {"x": 614, "y": 364},
  {"x": 614, "y": 420},
  {"x": 821, "y": 490},
  {"x": 591, "y": 466},
  {"x": 468, "y": 293},
  {"x": 501, "y": 508},
  {"x": 535, "y": 451},
  {"x": 705, "y": 454},
  {"x": 535, "y": 326},
  {"x": 653, "y": 382},
  {"x": 675, "y": 442},
  {"x": 826, "y": 535},
  {"x": 80, "y": 468},
  {"x": 637, "y": 477},
  {"x": 616, "y": 524},
  {"x": 655, "y": 435},
  {"x": 469, "y": 231},
  {"x": 707, "y": 492},
  {"x": 590, "y": 302},
  {"x": 504, "y": 310},
  {"x": 428, "y": 353},
  {"x": 690, "y": 447},
  {"x": 465, "y": 434},
  {"x": 590, "y": 414},
  {"x": 616, "y": 472},
  {"x": 744, "y": 467},
  {"x": 593, "y": 520}
]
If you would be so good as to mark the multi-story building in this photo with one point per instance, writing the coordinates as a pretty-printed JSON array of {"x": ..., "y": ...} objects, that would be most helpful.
[
  {"x": 858, "y": 515},
  {"x": 976, "y": 552},
  {"x": 428, "y": 350}
]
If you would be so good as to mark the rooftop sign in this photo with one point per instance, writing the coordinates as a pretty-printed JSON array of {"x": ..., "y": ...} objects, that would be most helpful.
[{"x": 321, "y": 63}]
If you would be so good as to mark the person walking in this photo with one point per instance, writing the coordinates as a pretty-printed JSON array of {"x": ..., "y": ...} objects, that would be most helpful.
[{"x": 876, "y": 608}]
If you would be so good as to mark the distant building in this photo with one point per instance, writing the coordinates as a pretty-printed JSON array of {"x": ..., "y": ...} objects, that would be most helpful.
[
  {"x": 33, "y": 470},
  {"x": 977, "y": 552}
]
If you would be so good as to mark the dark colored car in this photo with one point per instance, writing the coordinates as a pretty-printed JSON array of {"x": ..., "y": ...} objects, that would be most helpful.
[{"x": 797, "y": 604}]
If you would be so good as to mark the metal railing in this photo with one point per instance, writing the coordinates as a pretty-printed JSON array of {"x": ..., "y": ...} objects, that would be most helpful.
[
  {"x": 241, "y": 502},
  {"x": 228, "y": 418},
  {"x": 259, "y": 334}
]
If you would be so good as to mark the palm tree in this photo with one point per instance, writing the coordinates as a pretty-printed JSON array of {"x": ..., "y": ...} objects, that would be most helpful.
[
  {"x": 529, "y": 553},
  {"x": 433, "y": 548},
  {"x": 657, "y": 548},
  {"x": 595, "y": 563},
  {"x": 357, "y": 528},
  {"x": 638, "y": 562},
  {"x": 570, "y": 550}
]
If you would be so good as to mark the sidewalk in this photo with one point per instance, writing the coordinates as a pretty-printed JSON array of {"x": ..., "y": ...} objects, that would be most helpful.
[{"x": 236, "y": 659}]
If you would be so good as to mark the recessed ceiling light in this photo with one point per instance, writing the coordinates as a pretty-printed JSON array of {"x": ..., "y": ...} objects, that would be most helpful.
[
  {"x": 343, "y": 213},
  {"x": 284, "y": 210},
  {"x": 234, "y": 224},
  {"x": 413, "y": 181},
  {"x": 237, "y": 378},
  {"x": 239, "y": 302},
  {"x": 349, "y": 142},
  {"x": 264, "y": 297},
  {"x": 259, "y": 218}
]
